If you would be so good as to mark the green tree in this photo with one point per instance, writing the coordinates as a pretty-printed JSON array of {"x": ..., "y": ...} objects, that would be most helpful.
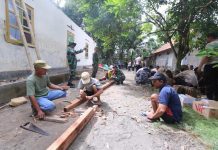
[
  {"x": 114, "y": 24},
  {"x": 181, "y": 22}
]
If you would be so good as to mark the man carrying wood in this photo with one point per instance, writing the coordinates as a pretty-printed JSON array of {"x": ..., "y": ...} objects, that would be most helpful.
[
  {"x": 90, "y": 88},
  {"x": 167, "y": 104},
  {"x": 38, "y": 93}
]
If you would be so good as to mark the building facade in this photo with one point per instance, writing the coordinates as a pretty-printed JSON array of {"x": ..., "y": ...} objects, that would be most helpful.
[{"x": 53, "y": 30}]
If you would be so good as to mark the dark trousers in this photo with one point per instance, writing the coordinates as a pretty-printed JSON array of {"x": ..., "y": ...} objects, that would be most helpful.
[
  {"x": 72, "y": 74},
  {"x": 211, "y": 81},
  {"x": 94, "y": 71},
  {"x": 138, "y": 67}
]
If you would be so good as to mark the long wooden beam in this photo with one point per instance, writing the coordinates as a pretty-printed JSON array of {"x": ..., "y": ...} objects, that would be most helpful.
[
  {"x": 78, "y": 102},
  {"x": 107, "y": 85},
  {"x": 65, "y": 140},
  {"x": 73, "y": 104}
]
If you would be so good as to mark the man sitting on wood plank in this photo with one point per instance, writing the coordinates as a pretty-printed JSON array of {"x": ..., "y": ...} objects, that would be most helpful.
[
  {"x": 90, "y": 88},
  {"x": 38, "y": 93}
]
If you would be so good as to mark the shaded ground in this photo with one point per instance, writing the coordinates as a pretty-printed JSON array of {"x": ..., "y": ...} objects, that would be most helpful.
[{"x": 118, "y": 127}]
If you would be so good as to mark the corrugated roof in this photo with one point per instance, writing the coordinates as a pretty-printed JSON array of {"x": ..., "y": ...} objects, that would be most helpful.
[{"x": 163, "y": 48}]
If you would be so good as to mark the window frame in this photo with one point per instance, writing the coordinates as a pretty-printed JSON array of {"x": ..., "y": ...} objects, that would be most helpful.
[{"x": 8, "y": 25}]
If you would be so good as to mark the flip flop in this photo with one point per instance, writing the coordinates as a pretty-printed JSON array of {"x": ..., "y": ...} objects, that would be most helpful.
[{"x": 144, "y": 114}]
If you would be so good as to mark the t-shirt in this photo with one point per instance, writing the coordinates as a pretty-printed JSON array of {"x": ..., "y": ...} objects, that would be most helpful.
[
  {"x": 138, "y": 61},
  {"x": 170, "y": 98},
  {"x": 37, "y": 86},
  {"x": 212, "y": 45},
  {"x": 189, "y": 76},
  {"x": 88, "y": 87}
]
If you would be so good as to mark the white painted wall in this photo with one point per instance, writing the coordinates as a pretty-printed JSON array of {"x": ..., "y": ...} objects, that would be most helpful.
[
  {"x": 50, "y": 25},
  {"x": 166, "y": 60},
  {"x": 192, "y": 59}
]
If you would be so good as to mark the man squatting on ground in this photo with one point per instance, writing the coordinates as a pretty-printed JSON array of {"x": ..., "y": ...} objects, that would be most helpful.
[
  {"x": 90, "y": 88},
  {"x": 167, "y": 104},
  {"x": 40, "y": 96},
  {"x": 117, "y": 75}
]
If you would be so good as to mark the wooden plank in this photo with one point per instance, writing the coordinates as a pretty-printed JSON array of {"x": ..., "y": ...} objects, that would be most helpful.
[
  {"x": 107, "y": 85},
  {"x": 73, "y": 104},
  {"x": 31, "y": 29},
  {"x": 55, "y": 118},
  {"x": 23, "y": 37},
  {"x": 78, "y": 102},
  {"x": 66, "y": 139}
]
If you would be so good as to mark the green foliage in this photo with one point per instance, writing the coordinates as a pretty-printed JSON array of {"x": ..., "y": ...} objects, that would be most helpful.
[
  {"x": 210, "y": 53},
  {"x": 114, "y": 24},
  {"x": 206, "y": 129},
  {"x": 185, "y": 21}
]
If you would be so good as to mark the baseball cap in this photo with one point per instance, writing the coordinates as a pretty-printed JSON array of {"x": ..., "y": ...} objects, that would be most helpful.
[
  {"x": 85, "y": 77},
  {"x": 158, "y": 76},
  {"x": 41, "y": 64}
]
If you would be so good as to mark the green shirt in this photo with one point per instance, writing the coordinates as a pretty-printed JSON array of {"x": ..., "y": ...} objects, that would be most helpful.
[
  {"x": 212, "y": 45},
  {"x": 37, "y": 86}
]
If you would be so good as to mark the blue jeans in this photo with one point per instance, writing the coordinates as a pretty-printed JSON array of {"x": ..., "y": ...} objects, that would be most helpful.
[{"x": 45, "y": 102}]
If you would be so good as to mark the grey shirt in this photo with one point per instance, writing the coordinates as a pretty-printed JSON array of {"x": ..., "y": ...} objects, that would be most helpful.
[{"x": 88, "y": 87}]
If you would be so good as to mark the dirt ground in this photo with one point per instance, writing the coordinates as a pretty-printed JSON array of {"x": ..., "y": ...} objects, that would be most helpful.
[{"x": 117, "y": 126}]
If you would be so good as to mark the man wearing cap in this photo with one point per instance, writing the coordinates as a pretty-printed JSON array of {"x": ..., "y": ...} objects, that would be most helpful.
[
  {"x": 72, "y": 61},
  {"x": 167, "y": 104},
  {"x": 38, "y": 93},
  {"x": 117, "y": 75},
  {"x": 90, "y": 88},
  {"x": 95, "y": 62}
]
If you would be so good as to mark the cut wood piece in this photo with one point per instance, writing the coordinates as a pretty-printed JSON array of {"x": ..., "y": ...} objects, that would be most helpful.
[
  {"x": 73, "y": 104},
  {"x": 66, "y": 139},
  {"x": 55, "y": 118}
]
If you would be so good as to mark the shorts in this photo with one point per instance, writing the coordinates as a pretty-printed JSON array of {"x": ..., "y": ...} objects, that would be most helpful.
[
  {"x": 89, "y": 93},
  {"x": 168, "y": 119}
]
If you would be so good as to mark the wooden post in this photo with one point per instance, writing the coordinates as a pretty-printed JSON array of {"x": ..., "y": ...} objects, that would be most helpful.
[
  {"x": 31, "y": 29},
  {"x": 22, "y": 35},
  {"x": 66, "y": 139}
]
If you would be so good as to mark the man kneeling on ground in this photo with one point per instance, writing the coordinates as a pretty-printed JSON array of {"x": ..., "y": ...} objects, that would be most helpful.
[
  {"x": 90, "y": 88},
  {"x": 117, "y": 75},
  {"x": 167, "y": 104},
  {"x": 38, "y": 93}
]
